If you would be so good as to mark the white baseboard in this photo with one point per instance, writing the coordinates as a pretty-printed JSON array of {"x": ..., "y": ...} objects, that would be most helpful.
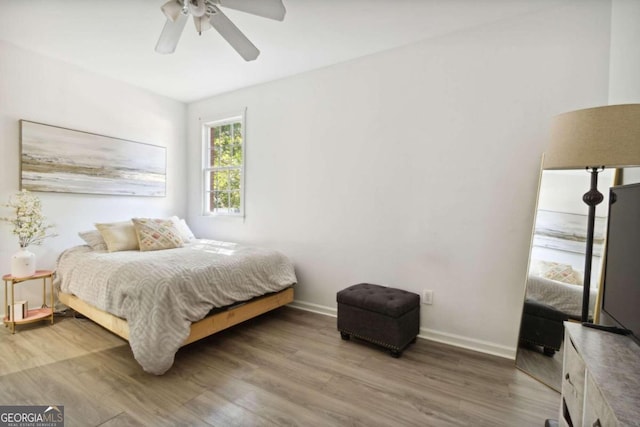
[
  {"x": 425, "y": 333},
  {"x": 314, "y": 308},
  {"x": 468, "y": 343}
]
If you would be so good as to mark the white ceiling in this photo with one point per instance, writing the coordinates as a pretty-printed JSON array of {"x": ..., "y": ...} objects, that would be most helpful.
[{"x": 116, "y": 38}]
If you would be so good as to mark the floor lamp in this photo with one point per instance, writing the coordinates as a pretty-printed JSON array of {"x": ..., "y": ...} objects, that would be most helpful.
[{"x": 594, "y": 139}]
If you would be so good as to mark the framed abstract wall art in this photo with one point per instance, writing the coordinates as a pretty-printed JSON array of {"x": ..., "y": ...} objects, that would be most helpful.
[
  {"x": 56, "y": 159},
  {"x": 567, "y": 232}
]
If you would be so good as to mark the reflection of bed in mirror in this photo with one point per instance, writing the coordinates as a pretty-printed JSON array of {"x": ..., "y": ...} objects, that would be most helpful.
[{"x": 563, "y": 295}]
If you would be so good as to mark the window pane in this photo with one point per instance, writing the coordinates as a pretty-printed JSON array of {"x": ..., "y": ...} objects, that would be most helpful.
[
  {"x": 220, "y": 180},
  {"x": 224, "y": 155},
  {"x": 234, "y": 179},
  {"x": 213, "y": 158},
  {"x": 220, "y": 140},
  {"x": 237, "y": 133},
  {"x": 220, "y": 199},
  {"x": 211, "y": 202},
  {"x": 213, "y": 181},
  {"x": 214, "y": 137},
  {"x": 236, "y": 156},
  {"x": 234, "y": 201},
  {"x": 225, "y": 133}
]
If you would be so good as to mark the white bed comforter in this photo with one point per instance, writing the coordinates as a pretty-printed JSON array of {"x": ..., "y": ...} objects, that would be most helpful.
[
  {"x": 161, "y": 293},
  {"x": 561, "y": 296}
]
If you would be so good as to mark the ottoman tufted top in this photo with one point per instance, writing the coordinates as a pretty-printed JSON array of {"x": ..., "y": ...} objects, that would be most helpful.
[
  {"x": 538, "y": 309},
  {"x": 380, "y": 299}
]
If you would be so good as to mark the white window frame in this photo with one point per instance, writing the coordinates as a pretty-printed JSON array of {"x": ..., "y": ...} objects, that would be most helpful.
[{"x": 207, "y": 210}]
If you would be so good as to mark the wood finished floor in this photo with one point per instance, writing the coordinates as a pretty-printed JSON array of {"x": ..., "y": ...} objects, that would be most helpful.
[
  {"x": 286, "y": 368},
  {"x": 546, "y": 369}
]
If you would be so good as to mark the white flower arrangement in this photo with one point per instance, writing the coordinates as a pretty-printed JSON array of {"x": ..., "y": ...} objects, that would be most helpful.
[{"x": 28, "y": 224}]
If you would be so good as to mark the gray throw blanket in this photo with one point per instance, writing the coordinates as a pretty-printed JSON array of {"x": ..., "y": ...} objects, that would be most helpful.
[{"x": 160, "y": 293}]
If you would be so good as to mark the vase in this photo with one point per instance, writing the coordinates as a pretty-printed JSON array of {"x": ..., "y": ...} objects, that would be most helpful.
[{"x": 23, "y": 263}]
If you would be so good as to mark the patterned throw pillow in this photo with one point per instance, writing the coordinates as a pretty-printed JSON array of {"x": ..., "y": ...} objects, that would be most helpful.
[
  {"x": 557, "y": 271},
  {"x": 155, "y": 234}
]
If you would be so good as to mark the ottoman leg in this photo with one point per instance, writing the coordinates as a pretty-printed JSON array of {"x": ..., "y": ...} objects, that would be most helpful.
[
  {"x": 345, "y": 336},
  {"x": 395, "y": 353}
]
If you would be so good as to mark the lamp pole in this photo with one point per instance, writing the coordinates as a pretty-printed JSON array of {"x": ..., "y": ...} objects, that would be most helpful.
[{"x": 592, "y": 198}]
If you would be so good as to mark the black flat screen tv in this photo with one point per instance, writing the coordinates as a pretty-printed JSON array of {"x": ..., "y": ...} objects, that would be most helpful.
[{"x": 621, "y": 296}]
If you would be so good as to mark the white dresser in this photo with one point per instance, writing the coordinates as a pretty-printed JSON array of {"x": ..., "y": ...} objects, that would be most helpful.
[{"x": 600, "y": 379}]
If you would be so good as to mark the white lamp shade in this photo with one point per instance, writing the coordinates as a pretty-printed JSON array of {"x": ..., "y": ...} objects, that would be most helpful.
[{"x": 603, "y": 136}]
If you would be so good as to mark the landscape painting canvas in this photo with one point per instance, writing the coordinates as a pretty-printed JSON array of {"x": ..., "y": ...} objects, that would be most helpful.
[
  {"x": 62, "y": 160},
  {"x": 567, "y": 232}
]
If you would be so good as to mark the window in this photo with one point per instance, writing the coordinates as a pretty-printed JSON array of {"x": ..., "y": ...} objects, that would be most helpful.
[{"x": 223, "y": 143}]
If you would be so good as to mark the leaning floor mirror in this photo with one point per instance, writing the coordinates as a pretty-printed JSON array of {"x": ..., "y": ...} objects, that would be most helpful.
[
  {"x": 554, "y": 291},
  {"x": 589, "y": 150}
]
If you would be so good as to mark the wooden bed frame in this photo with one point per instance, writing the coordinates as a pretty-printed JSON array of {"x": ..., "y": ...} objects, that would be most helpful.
[{"x": 208, "y": 326}]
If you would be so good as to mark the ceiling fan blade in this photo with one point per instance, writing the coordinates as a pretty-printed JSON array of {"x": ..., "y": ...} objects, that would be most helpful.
[
  {"x": 171, "y": 34},
  {"x": 233, "y": 35},
  {"x": 272, "y": 9}
]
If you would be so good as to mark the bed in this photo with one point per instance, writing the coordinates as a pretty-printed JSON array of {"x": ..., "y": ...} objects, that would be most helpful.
[
  {"x": 565, "y": 297},
  {"x": 559, "y": 285},
  {"x": 162, "y": 300}
]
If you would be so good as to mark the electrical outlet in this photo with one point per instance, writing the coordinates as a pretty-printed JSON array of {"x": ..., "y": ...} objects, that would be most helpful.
[{"x": 427, "y": 297}]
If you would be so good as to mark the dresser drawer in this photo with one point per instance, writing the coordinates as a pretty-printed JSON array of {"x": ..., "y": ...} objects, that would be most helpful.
[
  {"x": 596, "y": 411},
  {"x": 572, "y": 384}
]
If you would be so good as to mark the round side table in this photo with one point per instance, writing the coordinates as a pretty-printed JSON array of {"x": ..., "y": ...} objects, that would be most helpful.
[{"x": 43, "y": 313}]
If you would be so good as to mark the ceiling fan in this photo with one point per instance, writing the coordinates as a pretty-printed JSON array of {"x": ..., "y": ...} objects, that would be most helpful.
[{"x": 207, "y": 14}]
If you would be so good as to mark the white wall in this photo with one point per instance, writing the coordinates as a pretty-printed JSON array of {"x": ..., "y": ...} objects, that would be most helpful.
[
  {"x": 416, "y": 167},
  {"x": 624, "y": 83},
  {"x": 37, "y": 88},
  {"x": 624, "y": 80},
  {"x": 562, "y": 190}
]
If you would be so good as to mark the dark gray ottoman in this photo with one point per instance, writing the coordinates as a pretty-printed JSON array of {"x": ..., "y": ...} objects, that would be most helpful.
[
  {"x": 542, "y": 325},
  {"x": 385, "y": 316}
]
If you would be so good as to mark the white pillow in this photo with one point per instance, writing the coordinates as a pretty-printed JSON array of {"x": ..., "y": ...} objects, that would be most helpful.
[
  {"x": 182, "y": 227},
  {"x": 94, "y": 239},
  {"x": 119, "y": 236}
]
